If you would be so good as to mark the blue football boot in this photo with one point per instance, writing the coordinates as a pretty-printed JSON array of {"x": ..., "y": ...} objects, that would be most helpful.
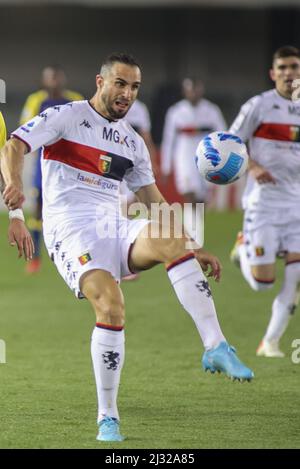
[
  {"x": 224, "y": 359},
  {"x": 109, "y": 430}
]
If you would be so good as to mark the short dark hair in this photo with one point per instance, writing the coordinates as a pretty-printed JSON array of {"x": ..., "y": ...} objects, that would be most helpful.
[
  {"x": 122, "y": 58},
  {"x": 286, "y": 51}
]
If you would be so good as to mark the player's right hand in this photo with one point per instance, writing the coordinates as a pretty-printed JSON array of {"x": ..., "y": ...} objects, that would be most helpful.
[
  {"x": 18, "y": 235},
  {"x": 13, "y": 197},
  {"x": 261, "y": 174}
]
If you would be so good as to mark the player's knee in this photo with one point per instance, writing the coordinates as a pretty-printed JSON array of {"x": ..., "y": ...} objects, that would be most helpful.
[
  {"x": 263, "y": 277},
  {"x": 109, "y": 308},
  {"x": 262, "y": 284},
  {"x": 173, "y": 249}
]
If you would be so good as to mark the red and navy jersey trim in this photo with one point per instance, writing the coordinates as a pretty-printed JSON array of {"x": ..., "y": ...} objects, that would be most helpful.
[
  {"x": 189, "y": 256},
  {"x": 265, "y": 282},
  {"x": 190, "y": 130},
  {"x": 109, "y": 327},
  {"x": 90, "y": 159},
  {"x": 281, "y": 132},
  {"x": 296, "y": 261}
]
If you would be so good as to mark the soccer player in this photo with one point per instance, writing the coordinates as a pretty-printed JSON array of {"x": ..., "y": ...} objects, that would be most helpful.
[
  {"x": 270, "y": 123},
  {"x": 88, "y": 149},
  {"x": 186, "y": 123},
  {"x": 53, "y": 93},
  {"x": 18, "y": 235}
]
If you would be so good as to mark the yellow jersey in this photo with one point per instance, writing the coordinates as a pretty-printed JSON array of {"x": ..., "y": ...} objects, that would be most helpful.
[
  {"x": 2, "y": 131},
  {"x": 39, "y": 101}
]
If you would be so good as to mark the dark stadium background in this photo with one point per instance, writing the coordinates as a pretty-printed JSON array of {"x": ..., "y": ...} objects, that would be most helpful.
[{"x": 229, "y": 47}]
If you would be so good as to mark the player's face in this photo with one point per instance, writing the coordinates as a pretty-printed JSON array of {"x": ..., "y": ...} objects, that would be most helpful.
[
  {"x": 118, "y": 89},
  {"x": 193, "y": 92},
  {"x": 285, "y": 70},
  {"x": 53, "y": 80}
]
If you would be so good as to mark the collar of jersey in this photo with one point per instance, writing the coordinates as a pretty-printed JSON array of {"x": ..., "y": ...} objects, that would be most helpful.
[
  {"x": 282, "y": 97},
  {"x": 99, "y": 114}
]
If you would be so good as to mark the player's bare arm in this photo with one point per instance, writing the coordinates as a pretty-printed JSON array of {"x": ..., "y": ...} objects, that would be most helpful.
[
  {"x": 12, "y": 157},
  {"x": 12, "y": 162},
  {"x": 209, "y": 263},
  {"x": 261, "y": 174}
]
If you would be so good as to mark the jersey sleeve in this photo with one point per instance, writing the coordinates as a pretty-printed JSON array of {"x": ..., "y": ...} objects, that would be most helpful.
[
  {"x": 168, "y": 142},
  {"x": 247, "y": 120},
  {"x": 2, "y": 131},
  {"x": 141, "y": 174},
  {"x": 44, "y": 129}
]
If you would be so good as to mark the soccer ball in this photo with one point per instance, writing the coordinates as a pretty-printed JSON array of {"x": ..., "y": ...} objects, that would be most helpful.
[{"x": 221, "y": 157}]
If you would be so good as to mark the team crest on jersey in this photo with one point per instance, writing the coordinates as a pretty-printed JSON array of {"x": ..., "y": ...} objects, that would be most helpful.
[
  {"x": 104, "y": 164},
  {"x": 85, "y": 258},
  {"x": 295, "y": 133},
  {"x": 259, "y": 251}
]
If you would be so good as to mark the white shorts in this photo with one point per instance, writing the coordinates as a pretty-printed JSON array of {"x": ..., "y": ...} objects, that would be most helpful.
[
  {"x": 76, "y": 248},
  {"x": 267, "y": 233}
]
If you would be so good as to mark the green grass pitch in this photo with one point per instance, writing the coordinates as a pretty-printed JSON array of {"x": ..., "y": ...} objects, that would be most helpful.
[{"x": 48, "y": 397}]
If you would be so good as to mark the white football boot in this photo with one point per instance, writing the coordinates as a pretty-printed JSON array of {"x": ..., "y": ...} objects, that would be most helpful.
[{"x": 269, "y": 349}]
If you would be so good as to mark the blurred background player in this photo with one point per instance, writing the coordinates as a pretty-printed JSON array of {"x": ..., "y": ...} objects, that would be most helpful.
[
  {"x": 270, "y": 123},
  {"x": 53, "y": 93},
  {"x": 139, "y": 118},
  {"x": 186, "y": 123}
]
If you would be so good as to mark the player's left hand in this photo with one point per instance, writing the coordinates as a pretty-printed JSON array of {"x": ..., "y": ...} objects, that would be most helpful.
[
  {"x": 13, "y": 197},
  {"x": 210, "y": 264},
  {"x": 18, "y": 235}
]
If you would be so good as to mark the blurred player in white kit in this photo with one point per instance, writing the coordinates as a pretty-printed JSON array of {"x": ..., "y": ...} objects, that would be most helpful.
[
  {"x": 270, "y": 123},
  {"x": 186, "y": 123}
]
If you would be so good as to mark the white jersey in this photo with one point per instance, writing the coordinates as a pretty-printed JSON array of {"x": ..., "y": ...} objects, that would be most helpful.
[
  {"x": 271, "y": 126},
  {"x": 85, "y": 157},
  {"x": 185, "y": 125},
  {"x": 138, "y": 117}
]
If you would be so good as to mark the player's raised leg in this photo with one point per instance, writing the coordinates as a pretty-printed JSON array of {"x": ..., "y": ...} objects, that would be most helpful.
[
  {"x": 107, "y": 347},
  {"x": 193, "y": 292}
]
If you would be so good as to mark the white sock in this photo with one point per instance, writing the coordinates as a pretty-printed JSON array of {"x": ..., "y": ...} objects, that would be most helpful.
[
  {"x": 193, "y": 220},
  {"x": 247, "y": 273},
  {"x": 284, "y": 302},
  {"x": 193, "y": 292},
  {"x": 108, "y": 353}
]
